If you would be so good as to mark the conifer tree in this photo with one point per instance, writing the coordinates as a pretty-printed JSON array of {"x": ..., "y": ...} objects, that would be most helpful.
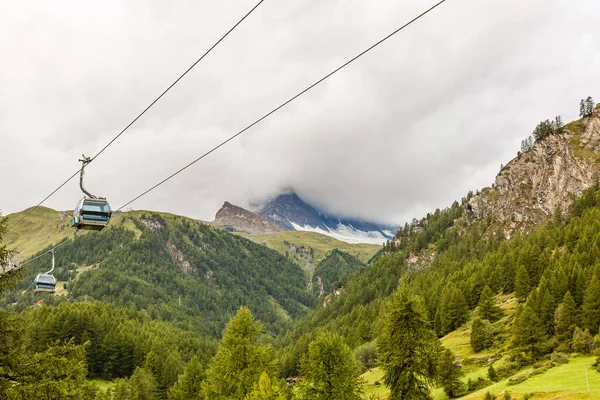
[
  {"x": 265, "y": 389},
  {"x": 522, "y": 285},
  {"x": 455, "y": 310},
  {"x": 529, "y": 334},
  {"x": 591, "y": 306},
  {"x": 449, "y": 374},
  {"x": 582, "y": 109},
  {"x": 488, "y": 307},
  {"x": 189, "y": 383},
  {"x": 589, "y": 106},
  {"x": 583, "y": 342},
  {"x": 408, "y": 349},
  {"x": 482, "y": 334},
  {"x": 330, "y": 371},
  {"x": 565, "y": 319},
  {"x": 239, "y": 361}
]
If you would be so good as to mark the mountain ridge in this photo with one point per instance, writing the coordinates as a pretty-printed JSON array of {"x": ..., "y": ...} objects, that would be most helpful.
[{"x": 290, "y": 212}]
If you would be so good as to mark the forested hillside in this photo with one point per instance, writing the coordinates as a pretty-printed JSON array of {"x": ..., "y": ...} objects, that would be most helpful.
[
  {"x": 142, "y": 304},
  {"x": 177, "y": 270}
]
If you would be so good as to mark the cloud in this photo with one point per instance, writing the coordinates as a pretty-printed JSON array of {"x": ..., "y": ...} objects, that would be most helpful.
[{"x": 411, "y": 126}]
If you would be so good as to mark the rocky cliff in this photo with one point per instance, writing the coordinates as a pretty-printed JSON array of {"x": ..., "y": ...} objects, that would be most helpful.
[
  {"x": 238, "y": 219},
  {"x": 535, "y": 183}
]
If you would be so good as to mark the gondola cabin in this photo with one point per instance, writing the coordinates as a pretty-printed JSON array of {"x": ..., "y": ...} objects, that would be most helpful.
[
  {"x": 91, "y": 214},
  {"x": 44, "y": 283}
]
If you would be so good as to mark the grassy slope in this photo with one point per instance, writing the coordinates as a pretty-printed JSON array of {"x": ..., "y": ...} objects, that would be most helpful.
[
  {"x": 562, "y": 382},
  {"x": 321, "y": 244},
  {"x": 39, "y": 230}
]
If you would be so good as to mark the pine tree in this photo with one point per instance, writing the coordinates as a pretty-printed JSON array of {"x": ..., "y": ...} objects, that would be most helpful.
[
  {"x": 522, "y": 285},
  {"x": 239, "y": 361},
  {"x": 330, "y": 371},
  {"x": 529, "y": 334},
  {"x": 591, "y": 306},
  {"x": 582, "y": 109},
  {"x": 449, "y": 374},
  {"x": 488, "y": 308},
  {"x": 189, "y": 383},
  {"x": 455, "y": 310},
  {"x": 482, "y": 334},
  {"x": 408, "y": 349},
  {"x": 565, "y": 319},
  {"x": 265, "y": 389},
  {"x": 589, "y": 106},
  {"x": 583, "y": 342},
  {"x": 558, "y": 124}
]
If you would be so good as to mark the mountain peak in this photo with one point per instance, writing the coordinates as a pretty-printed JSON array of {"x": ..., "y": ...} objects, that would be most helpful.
[
  {"x": 237, "y": 219},
  {"x": 290, "y": 212}
]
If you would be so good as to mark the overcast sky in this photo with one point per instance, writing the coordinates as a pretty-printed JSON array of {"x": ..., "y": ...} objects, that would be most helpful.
[{"x": 412, "y": 126}]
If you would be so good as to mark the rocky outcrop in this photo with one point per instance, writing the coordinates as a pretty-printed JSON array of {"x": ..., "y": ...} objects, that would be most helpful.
[
  {"x": 237, "y": 219},
  {"x": 549, "y": 176}
]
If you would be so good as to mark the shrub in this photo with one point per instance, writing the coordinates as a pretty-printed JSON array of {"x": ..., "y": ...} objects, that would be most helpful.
[
  {"x": 515, "y": 380},
  {"x": 559, "y": 358}
]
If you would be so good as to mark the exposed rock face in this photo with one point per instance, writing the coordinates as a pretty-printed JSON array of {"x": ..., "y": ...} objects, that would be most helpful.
[
  {"x": 550, "y": 175},
  {"x": 290, "y": 212},
  {"x": 237, "y": 219}
]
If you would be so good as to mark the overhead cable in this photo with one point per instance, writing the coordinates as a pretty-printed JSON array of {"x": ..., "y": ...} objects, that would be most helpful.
[
  {"x": 284, "y": 104},
  {"x": 142, "y": 113}
]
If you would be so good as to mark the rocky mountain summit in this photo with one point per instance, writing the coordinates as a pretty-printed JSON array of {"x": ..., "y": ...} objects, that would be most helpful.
[
  {"x": 548, "y": 177},
  {"x": 290, "y": 212},
  {"x": 237, "y": 219}
]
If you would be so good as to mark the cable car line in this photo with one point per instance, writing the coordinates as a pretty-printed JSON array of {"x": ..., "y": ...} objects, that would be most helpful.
[
  {"x": 284, "y": 104},
  {"x": 143, "y": 112}
]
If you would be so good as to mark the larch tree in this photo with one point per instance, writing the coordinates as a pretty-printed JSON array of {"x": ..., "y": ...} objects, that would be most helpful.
[
  {"x": 591, "y": 306},
  {"x": 265, "y": 389},
  {"x": 449, "y": 374},
  {"x": 488, "y": 307},
  {"x": 330, "y": 371},
  {"x": 482, "y": 334},
  {"x": 239, "y": 361},
  {"x": 522, "y": 285},
  {"x": 189, "y": 384},
  {"x": 565, "y": 319},
  {"x": 529, "y": 334},
  {"x": 408, "y": 349}
]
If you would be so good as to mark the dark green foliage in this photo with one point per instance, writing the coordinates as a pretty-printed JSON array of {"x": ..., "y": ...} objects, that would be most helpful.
[
  {"x": 140, "y": 386},
  {"x": 239, "y": 361},
  {"x": 408, "y": 349},
  {"x": 528, "y": 333},
  {"x": 355, "y": 315},
  {"x": 330, "y": 371},
  {"x": 449, "y": 374},
  {"x": 366, "y": 354},
  {"x": 416, "y": 236},
  {"x": 119, "y": 340},
  {"x": 547, "y": 127},
  {"x": 492, "y": 374},
  {"x": 583, "y": 342},
  {"x": 482, "y": 334},
  {"x": 454, "y": 309},
  {"x": 565, "y": 319},
  {"x": 334, "y": 270},
  {"x": 182, "y": 271},
  {"x": 189, "y": 384},
  {"x": 522, "y": 285},
  {"x": 489, "y": 396},
  {"x": 488, "y": 307},
  {"x": 591, "y": 306}
]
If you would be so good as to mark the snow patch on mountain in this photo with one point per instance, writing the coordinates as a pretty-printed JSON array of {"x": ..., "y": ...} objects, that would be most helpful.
[{"x": 345, "y": 233}]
